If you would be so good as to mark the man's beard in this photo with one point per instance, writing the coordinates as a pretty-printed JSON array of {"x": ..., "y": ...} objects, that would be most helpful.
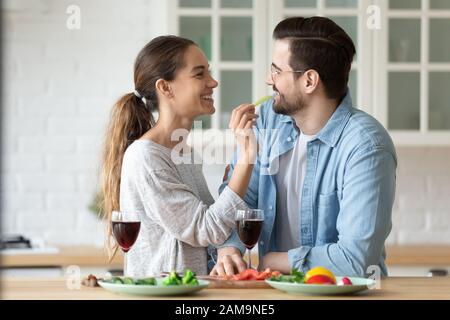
[{"x": 288, "y": 108}]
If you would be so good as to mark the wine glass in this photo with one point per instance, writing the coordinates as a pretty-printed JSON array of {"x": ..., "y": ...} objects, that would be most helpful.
[
  {"x": 248, "y": 225},
  {"x": 125, "y": 228}
]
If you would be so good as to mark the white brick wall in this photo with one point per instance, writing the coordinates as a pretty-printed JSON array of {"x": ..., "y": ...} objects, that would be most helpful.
[
  {"x": 59, "y": 86},
  {"x": 422, "y": 206}
]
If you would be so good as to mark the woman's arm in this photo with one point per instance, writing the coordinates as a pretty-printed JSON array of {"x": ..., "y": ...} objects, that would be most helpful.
[{"x": 241, "y": 123}]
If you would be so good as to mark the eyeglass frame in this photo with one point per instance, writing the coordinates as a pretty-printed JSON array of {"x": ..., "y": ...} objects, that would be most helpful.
[{"x": 279, "y": 71}]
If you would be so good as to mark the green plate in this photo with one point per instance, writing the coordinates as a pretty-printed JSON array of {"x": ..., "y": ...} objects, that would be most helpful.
[
  {"x": 157, "y": 290},
  {"x": 359, "y": 284}
]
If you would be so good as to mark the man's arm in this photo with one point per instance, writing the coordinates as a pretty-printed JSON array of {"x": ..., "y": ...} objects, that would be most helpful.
[
  {"x": 229, "y": 254},
  {"x": 363, "y": 223}
]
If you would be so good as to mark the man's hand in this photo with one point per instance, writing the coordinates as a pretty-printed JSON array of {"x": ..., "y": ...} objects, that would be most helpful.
[
  {"x": 229, "y": 262},
  {"x": 276, "y": 261}
]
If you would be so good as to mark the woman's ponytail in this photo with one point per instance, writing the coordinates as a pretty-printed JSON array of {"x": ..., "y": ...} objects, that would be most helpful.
[{"x": 130, "y": 119}]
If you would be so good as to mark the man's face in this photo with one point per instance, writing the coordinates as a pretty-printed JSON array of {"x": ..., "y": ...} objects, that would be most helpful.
[{"x": 288, "y": 99}]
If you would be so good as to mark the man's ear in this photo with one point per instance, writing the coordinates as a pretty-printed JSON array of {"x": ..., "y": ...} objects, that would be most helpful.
[
  {"x": 163, "y": 87},
  {"x": 311, "y": 80}
]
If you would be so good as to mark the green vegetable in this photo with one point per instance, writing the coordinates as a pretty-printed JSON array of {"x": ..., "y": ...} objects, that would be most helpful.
[
  {"x": 173, "y": 279},
  {"x": 262, "y": 100},
  {"x": 117, "y": 280},
  {"x": 128, "y": 281},
  {"x": 189, "y": 278},
  {"x": 146, "y": 282},
  {"x": 281, "y": 278},
  {"x": 296, "y": 276}
]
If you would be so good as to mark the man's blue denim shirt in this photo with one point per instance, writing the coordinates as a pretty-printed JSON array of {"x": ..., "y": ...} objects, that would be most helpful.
[{"x": 347, "y": 195}]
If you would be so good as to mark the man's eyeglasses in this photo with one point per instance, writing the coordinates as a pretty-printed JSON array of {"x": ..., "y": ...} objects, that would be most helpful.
[{"x": 274, "y": 72}]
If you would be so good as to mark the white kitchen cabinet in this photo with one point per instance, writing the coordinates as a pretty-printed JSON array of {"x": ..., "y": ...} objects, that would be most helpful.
[
  {"x": 401, "y": 74},
  {"x": 412, "y": 70},
  {"x": 233, "y": 36}
]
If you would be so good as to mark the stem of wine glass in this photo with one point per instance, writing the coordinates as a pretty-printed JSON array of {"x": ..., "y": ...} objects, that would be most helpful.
[
  {"x": 249, "y": 258},
  {"x": 124, "y": 264}
]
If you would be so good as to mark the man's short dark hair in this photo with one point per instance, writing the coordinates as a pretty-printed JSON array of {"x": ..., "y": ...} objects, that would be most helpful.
[{"x": 319, "y": 43}]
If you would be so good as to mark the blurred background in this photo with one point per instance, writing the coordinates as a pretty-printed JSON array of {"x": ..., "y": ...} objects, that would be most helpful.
[{"x": 66, "y": 62}]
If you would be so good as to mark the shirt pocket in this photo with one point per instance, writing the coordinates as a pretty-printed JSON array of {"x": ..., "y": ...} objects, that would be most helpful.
[{"x": 327, "y": 212}]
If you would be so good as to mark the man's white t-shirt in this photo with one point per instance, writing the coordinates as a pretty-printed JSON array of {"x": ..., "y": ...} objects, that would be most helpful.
[{"x": 289, "y": 182}]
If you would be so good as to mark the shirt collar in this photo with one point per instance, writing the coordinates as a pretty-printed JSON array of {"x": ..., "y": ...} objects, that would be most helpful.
[
  {"x": 332, "y": 131},
  {"x": 284, "y": 118}
]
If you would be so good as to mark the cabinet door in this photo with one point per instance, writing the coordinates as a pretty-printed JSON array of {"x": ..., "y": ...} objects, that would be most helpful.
[
  {"x": 439, "y": 76},
  {"x": 231, "y": 32},
  {"x": 414, "y": 71},
  {"x": 399, "y": 74}
]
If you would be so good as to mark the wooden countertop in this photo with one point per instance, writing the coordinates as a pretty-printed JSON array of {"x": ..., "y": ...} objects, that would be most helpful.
[
  {"x": 74, "y": 255},
  {"x": 437, "y": 255},
  {"x": 91, "y": 256},
  {"x": 402, "y": 288}
]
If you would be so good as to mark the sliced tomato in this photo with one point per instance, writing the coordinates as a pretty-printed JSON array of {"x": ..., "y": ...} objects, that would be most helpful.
[
  {"x": 248, "y": 274},
  {"x": 276, "y": 273},
  {"x": 264, "y": 274},
  {"x": 252, "y": 274}
]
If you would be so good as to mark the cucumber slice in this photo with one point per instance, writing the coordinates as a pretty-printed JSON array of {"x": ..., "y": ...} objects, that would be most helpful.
[{"x": 262, "y": 100}]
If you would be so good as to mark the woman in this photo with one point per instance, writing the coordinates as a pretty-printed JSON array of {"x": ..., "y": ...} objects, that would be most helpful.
[{"x": 179, "y": 217}]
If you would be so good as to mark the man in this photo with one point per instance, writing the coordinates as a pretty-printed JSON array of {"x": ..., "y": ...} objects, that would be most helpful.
[{"x": 325, "y": 175}]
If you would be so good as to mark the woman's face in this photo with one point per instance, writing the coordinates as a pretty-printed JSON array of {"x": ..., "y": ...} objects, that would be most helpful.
[{"x": 193, "y": 85}]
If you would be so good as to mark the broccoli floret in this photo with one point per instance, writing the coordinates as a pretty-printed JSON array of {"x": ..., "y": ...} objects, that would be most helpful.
[
  {"x": 172, "y": 279},
  {"x": 188, "y": 277}
]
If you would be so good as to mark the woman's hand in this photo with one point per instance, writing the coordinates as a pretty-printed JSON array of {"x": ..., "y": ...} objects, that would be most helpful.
[
  {"x": 229, "y": 262},
  {"x": 241, "y": 123}
]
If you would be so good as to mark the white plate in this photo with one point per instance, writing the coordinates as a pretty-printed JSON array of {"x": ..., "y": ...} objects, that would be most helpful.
[
  {"x": 157, "y": 290},
  {"x": 359, "y": 284}
]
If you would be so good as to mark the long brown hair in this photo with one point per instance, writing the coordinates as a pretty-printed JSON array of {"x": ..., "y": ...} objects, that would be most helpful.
[{"x": 131, "y": 117}]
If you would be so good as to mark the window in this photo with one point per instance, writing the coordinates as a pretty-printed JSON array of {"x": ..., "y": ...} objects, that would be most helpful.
[
  {"x": 230, "y": 32},
  {"x": 399, "y": 74},
  {"x": 413, "y": 71}
]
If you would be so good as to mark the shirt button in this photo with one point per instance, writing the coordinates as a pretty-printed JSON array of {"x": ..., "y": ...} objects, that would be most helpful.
[
  {"x": 289, "y": 139},
  {"x": 270, "y": 207},
  {"x": 261, "y": 243}
]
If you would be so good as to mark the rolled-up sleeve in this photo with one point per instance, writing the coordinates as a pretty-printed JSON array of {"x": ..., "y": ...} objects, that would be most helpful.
[
  {"x": 183, "y": 215},
  {"x": 250, "y": 201}
]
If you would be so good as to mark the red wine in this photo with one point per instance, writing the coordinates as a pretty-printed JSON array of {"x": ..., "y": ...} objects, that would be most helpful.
[
  {"x": 126, "y": 233},
  {"x": 249, "y": 231}
]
